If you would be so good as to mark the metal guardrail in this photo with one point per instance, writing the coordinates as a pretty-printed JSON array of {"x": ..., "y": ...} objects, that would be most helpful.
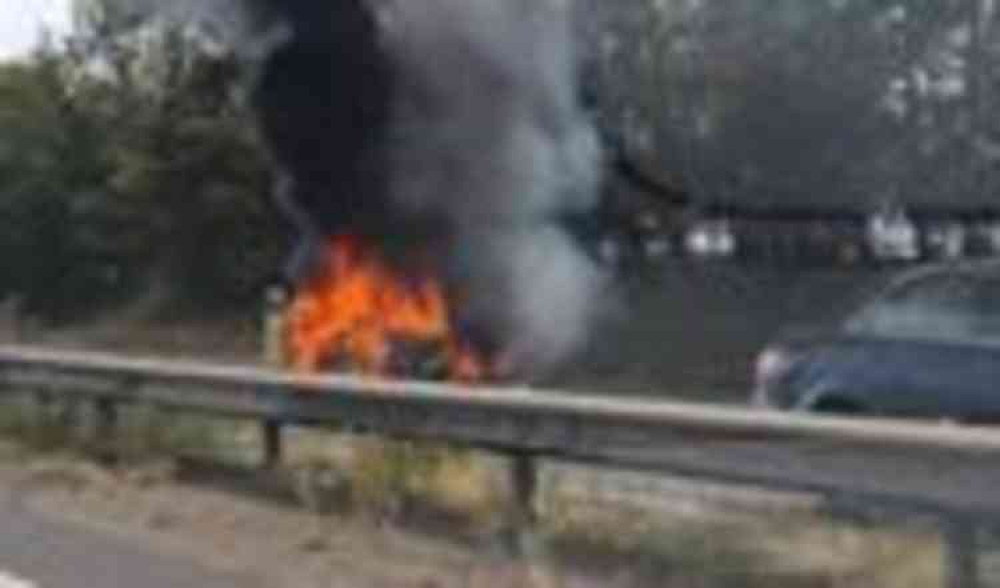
[{"x": 945, "y": 471}]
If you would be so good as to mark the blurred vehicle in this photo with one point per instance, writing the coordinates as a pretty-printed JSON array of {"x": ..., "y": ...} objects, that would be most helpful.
[
  {"x": 892, "y": 236},
  {"x": 926, "y": 345},
  {"x": 946, "y": 241},
  {"x": 711, "y": 239}
]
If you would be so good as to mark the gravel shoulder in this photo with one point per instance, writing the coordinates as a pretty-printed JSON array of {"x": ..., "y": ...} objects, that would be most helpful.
[{"x": 282, "y": 546}]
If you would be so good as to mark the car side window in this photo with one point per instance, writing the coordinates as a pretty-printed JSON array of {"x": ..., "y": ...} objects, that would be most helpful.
[
  {"x": 987, "y": 325},
  {"x": 937, "y": 307}
]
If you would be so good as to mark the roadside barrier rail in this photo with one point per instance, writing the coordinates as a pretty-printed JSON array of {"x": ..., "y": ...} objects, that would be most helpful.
[{"x": 946, "y": 471}]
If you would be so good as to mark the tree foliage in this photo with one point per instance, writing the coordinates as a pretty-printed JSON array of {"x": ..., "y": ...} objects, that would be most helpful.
[
  {"x": 825, "y": 103},
  {"x": 129, "y": 167}
]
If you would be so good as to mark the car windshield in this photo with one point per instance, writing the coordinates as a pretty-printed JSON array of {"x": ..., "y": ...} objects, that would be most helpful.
[{"x": 955, "y": 307}]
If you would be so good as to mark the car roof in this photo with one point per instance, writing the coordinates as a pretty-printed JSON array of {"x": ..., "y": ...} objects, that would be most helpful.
[
  {"x": 875, "y": 291},
  {"x": 985, "y": 267},
  {"x": 979, "y": 267}
]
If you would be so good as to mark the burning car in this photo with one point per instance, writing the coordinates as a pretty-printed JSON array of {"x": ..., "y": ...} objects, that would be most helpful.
[
  {"x": 927, "y": 345},
  {"x": 428, "y": 155},
  {"x": 357, "y": 315}
]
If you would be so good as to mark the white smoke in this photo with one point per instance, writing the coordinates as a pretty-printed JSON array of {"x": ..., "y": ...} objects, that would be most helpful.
[{"x": 489, "y": 135}]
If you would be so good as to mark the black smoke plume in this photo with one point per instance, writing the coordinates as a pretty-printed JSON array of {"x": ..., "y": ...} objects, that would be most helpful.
[
  {"x": 324, "y": 97},
  {"x": 450, "y": 126}
]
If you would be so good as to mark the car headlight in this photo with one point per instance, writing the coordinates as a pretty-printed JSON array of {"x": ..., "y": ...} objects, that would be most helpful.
[{"x": 772, "y": 365}]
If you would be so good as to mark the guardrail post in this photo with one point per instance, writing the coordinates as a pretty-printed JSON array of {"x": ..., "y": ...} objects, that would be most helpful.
[
  {"x": 273, "y": 447},
  {"x": 105, "y": 428},
  {"x": 68, "y": 417},
  {"x": 526, "y": 544},
  {"x": 524, "y": 483},
  {"x": 42, "y": 425},
  {"x": 961, "y": 554},
  {"x": 275, "y": 356}
]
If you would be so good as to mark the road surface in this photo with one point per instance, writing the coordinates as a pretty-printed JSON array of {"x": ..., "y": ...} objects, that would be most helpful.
[{"x": 36, "y": 552}]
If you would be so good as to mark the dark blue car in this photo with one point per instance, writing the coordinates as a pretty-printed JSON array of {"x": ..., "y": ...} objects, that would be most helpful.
[{"x": 927, "y": 345}]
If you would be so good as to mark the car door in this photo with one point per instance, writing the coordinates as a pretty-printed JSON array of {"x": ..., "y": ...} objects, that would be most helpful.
[
  {"x": 936, "y": 379},
  {"x": 929, "y": 348}
]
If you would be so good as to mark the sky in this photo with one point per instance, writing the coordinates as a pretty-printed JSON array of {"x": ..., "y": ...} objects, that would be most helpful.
[{"x": 22, "y": 21}]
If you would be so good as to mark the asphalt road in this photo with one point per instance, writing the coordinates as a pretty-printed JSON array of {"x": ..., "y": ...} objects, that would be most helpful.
[{"x": 39, "y": 553}]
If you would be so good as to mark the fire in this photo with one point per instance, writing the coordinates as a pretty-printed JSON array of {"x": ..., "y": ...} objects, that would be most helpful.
[{"x": 360, "y": 313}]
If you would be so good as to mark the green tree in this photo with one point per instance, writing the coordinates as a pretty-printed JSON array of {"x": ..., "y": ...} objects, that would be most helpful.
[
  {"x": 53, "y": 168},
  {"x": 130, "y": 167}
]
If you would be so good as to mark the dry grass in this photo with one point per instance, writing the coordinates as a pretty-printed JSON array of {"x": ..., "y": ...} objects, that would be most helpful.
[
  {"x": 393, "y": 480},
  {"x": 698, "y": 548},
  {"x": 143, "y": 432},
  {"x": 728, "y": 549},
  {"x": 464, "y": 495}
]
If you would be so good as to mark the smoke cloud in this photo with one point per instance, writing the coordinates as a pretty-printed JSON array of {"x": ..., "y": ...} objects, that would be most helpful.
[
  {"x": 444, "y": 125},
  {"x": 487, "y": 139}
]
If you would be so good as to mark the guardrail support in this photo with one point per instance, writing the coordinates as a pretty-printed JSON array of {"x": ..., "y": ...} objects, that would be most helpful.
[
  {"x": 961, "y": 554},
  {"x": 526, "y": 544},
  {"x": 524, "y": 484},
  {"x": 105, "y": 428},
  {"x": 273, "y": 447},
  {"x": 68, "y": 417},
  {"x": 41, "y": 427},
  {"x": 275, "y": 352}
]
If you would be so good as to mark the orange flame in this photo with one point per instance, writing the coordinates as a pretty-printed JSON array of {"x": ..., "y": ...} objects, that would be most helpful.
[{"x": 357, "y": 309}]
